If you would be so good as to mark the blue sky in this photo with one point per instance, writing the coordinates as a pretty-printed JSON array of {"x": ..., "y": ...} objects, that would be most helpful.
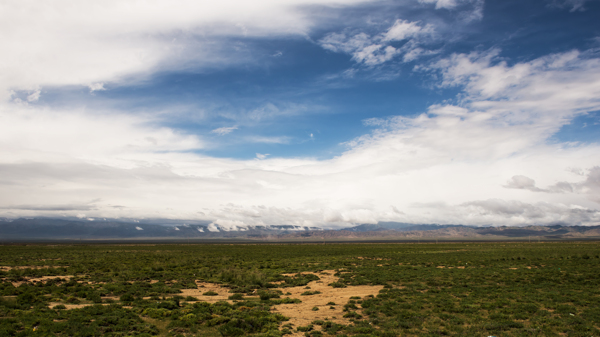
[{"x": 321, "y": 113}]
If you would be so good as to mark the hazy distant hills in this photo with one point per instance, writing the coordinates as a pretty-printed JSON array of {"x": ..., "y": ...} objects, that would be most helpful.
[{"x": 60, "y": 229}]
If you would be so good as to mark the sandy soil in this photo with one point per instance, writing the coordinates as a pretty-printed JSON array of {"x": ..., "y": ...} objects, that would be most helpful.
[
  {"x": 40, "y": 279},
  {"x": 302, "y": 314},
  {"x": 223, "y": 292},
  {"x": 51, "y": 305}
]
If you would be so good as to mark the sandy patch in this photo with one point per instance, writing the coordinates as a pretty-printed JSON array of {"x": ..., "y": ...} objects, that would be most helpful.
[
  {"x": 51, "y": 305},
  {"x": 46, "y": 278},
  {"x": 302, "y": 314},
  {"x": 42, "y": 279},
  {"x": 203, "y": 287}
]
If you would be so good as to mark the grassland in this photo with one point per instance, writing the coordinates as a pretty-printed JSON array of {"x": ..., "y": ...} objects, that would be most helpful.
[{"x": 456, "y": 289}]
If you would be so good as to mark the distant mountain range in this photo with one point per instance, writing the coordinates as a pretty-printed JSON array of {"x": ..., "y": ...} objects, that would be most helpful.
[{"x": 41, "y": 229}]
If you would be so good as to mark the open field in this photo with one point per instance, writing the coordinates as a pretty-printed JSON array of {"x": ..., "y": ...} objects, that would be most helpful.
[{"x": 459, "y": 289}]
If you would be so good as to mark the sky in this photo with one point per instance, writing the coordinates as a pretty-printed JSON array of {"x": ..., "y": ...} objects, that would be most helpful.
[{"x": 325, "y": 113}]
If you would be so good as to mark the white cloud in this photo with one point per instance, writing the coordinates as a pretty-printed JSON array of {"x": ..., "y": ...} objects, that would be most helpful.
[
  {"x": 522, "y": 183},
  {"x": 403, "y": 29},
  {"x": 377, "y": 49},
  {"x": 516, "y": 211},
  {"x": 261, "y": 156},
  {"x": 475, "y": 12},
  {"x": 60, "y": 42},
  {"x": 224, "y": 130},
  {"x": 96, "y": 87},
  {"x": 448, "y": 4},
  {"x": 42, "y": 135},
  {"x": 451, "y": 164},
  {"x": 525, "y": 183},
  {"x": 34, "y": 96},
  {"x": 230, "y": 225}
]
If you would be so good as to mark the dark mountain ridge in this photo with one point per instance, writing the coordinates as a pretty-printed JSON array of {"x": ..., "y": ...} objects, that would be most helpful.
[{"x": 43, "y": 229}]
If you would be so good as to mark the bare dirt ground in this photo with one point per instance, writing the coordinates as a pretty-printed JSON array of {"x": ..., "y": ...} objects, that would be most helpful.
[
  {"x": 51, "y": 305},
  {"x": 203, "y": 287},
  {"x": 42, "y": 279},
  {"x": 302, "y": 314}
]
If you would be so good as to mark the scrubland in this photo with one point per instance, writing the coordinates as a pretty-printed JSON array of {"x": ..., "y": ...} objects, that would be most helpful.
[{"x": 456, "y": 289}]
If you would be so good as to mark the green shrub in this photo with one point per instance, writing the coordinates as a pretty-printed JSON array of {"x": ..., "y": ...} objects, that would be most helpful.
[
  {"x": 237, "y": 297},
  {"x": 126, "y": 298},
  {"x": 305, "y": 328},
  {"x": 352, "y": 314},
  {"x": 307, "y": 293}
]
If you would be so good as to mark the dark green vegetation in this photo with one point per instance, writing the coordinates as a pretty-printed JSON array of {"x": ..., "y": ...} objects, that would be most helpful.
[{"x": 500, "y": 289}]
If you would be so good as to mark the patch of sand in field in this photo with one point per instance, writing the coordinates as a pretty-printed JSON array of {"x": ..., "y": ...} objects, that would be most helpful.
[
  {"x": 47, "y": 278},
  {"x": 302, "y": 314},
  {"x": 51, "y": 305},
  {"x": 203, "y": 287},
  {"x": 42, "y": 279}
]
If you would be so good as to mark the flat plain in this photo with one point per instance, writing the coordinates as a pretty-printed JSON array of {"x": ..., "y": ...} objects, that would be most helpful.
[{"x": 455, "y": 289}]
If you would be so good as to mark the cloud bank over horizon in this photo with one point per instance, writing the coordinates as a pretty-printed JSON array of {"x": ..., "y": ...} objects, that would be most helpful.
[{"x": 305, "y": 113}]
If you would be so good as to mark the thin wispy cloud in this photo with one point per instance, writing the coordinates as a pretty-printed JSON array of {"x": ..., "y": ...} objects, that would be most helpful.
[{"x": 224, "y": 130}]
